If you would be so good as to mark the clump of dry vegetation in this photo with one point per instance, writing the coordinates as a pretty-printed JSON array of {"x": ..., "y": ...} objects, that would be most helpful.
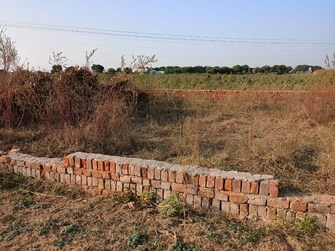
[{"x": 291, "y": 137}]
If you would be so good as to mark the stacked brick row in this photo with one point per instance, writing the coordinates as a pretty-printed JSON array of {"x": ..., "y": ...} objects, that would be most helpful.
[{"x": 236, "y": 193}]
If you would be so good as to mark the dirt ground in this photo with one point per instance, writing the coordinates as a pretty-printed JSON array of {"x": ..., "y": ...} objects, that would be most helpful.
[{"x": 41, "y": 216}]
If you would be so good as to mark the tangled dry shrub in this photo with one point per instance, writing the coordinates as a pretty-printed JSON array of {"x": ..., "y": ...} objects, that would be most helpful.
[
  {"x": 72, "y": 100},
  {"x": 23, "y": 95}
]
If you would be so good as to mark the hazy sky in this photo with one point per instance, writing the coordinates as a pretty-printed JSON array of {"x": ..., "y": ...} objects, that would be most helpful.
[{"x": 231, "y": 32}]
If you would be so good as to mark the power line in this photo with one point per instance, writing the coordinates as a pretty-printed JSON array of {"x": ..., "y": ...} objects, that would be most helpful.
[{"x": 164, "y": 37}]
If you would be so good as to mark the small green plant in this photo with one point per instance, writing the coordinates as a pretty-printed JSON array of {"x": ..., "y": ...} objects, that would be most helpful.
[
  {"x": 125, "y": 197},
  {"x": 172, "y": 207},
  {"x": 136, "y": 238},
  {"x": 182, "y": 246},
  {"x": 302, "y": 227},
  {"x": 147, "y": 198}
]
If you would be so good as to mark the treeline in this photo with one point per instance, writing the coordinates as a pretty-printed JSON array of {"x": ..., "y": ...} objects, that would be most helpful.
[{"x": 237, "y": 69}]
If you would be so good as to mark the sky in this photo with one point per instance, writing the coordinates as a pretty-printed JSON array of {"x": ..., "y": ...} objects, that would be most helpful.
[{"x": 178, "y": 32}]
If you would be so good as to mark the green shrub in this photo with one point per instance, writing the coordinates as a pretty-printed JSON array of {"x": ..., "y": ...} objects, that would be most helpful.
[{"x": 172, "y": 207}]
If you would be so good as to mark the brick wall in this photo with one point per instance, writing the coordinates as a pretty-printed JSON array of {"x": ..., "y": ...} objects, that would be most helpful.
[{"x": 239, "y": 194}]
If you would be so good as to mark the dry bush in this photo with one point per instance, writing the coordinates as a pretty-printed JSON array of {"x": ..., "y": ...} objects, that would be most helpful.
[
  {"x": 23, "y": 96},
  {"x": 72, "y": 100}
]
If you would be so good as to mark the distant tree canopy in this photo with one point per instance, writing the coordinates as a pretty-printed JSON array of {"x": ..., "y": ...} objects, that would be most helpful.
[
  {"x": 97, "y": 68},
  {"x": 56, "y": 68},
  {"x": 236, "y": 69},
  {"x": 111, "y": 71}
]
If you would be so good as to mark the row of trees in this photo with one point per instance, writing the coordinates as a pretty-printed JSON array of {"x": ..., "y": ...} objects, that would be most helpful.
[{"x": 237, "y": 69}]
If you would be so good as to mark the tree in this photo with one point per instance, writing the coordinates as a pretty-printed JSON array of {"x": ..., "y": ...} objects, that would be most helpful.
[
  {"x": 58, "y": 60},
  {"x": 9, "y": 57},
  {"x": 56, "y": 68},
  {"x": 141, "y": 62},
  {"x": 88, "y": 57},
  {"x": 111, "y": 71},
  {"x": 97, "y": 68},
  {"x": 330, "y": 63}
]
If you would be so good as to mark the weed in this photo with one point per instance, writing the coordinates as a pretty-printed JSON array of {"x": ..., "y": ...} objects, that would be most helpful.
[
  {"x": 147, "y": 198},
  {"x": 136, "y": 238},
  {"x": 302, "y": 227},
  {"x": 171, "y": 207},
  {"x": 182, "y": 246},
  {"x": 125, "y": 197}
]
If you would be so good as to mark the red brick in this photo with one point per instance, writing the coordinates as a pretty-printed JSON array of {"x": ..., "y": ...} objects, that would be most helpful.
[
  {"x": 78, "y": 180},
  {"x": 106, "y": 175},
  {"x": 228, "y": 185},
  {"x": 245, "y": 186},
  {"x": 151, "y": 173},
  {"x": 125, "y": 179},
  {"x": 192, "y": 189},
  {"x": 180, "y": 177},
  {"x": 87, "y": 172},
  {"x": 125, "y": 169},
  {"x": 71, "y": 161},
  {"x": 84, "y": 163},
  {"x": 210, "y": 181},
  {"x": 205, "y": 202},
  {"x": 264, "y": 187},
  {"x": 234, "y": 208},
  {"x": 112, "y": 166},
  {"x": 244, "y": 210},
  {"x": 101, "y": 183},
  {"x": 195, "y": 180},
  {"x": 253, "y": 210},
  {"x": 115, "y": 176},
  {"x": 221, "y": 195},
  {"x": 137, "y": 171},
  {"x": 77, "y": 162},
  {"x": 332, "y": 209},
  {"x": 271, "y": 213},
  {"x": 179, "y": 188},
  {"x": 146, "y": 182},
  {"x": 164, "y": 175},
  {"x": 262, "y": 211},
  {"x": 66, "y": 162},
  {"x": 237, "y": 185},
  {"x": 131, "y": 170},
  {"x": 278, "y": 203},
  {"x": 167, "y": 194},
  {"x": 157, "y": 173},
  {"x": 89, "y": 164},
  {"x": 166, "y": 185},
  {"x": 172, "y": 176},
  {"x": 137, "y": 180},
  {"x": 274, "y": 188},
  {"x": 61, "y": 169},
  {"x": 156, "y": 183},
  {"x": 96, "y": 174},
  {"x": 78, "y": 171},
  {"x": 238, "y": 198},
  {"x": 94, "y": 164},
  {"x": 202, "y": 180},
  {"x": 257, "y": 200},
  {"x": 144, "y": 172},
  {"x": 318, "y": 208},
  {"x": 331, "y": 223},
  {"x": 206, "y": 192},
  {"x": 298, "y": 206},
  {"x": 219, "y": 182},
  {"x": 106, "y": 166},
  {"x": 101, "y": 165},
  {"x": 254, "y": 187}
]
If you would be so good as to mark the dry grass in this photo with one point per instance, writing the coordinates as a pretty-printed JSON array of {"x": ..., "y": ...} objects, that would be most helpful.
[
  {"x": 37, "y": 215},
  {"x": 291, "y": 137}
]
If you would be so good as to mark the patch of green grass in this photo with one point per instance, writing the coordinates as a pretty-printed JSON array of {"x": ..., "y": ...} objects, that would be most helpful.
[
  {"x": 302, "y": 227},
  {"x": 171, "y": 207}
]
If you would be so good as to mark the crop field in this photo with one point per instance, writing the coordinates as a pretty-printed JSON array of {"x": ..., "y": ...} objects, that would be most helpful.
[{"x": 292, "y": 138}]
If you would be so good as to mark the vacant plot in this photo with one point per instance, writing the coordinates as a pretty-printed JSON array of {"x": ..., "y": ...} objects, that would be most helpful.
[
  {"x": 291, "y": 137},
  {"x": 46, "y": 216}
]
